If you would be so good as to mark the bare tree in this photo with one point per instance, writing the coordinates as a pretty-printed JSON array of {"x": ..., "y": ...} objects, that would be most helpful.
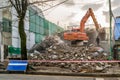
[{"x": 21, "y": 8}]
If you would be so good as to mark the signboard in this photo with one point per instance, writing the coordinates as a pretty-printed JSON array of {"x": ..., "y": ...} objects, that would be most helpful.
[{"x": 17, "y": 65}]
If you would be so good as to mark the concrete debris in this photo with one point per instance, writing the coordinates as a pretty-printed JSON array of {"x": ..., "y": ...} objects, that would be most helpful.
[
  {"x": 93, "y": 33},
  {"x": 2, "y": 66},
  {"x": 53, "y": 48},
  {"x": 102, "y": 34}
]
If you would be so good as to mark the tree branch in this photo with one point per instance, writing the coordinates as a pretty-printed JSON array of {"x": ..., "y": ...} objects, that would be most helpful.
[
  {"x": 15, "y": 6},
  {"x": 24, "y": 7},
  {"x": 40, "y": 2},
  {"x": 18, "y": 4}
]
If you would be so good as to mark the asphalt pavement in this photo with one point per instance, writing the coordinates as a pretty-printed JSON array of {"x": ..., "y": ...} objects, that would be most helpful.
[{"x": 47, "y": 77}]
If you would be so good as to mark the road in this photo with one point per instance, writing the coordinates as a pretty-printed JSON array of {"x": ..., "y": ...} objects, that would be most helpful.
[{"x": 46, "y": 77}]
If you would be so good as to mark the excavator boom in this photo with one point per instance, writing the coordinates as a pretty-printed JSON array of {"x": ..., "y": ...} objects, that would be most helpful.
[{"x": 85, "y": 18}]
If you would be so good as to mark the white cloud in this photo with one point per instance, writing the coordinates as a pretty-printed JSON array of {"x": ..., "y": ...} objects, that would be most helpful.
[{"x": 73, "y": 13}]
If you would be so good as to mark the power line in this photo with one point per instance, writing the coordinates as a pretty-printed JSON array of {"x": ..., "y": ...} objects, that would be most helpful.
[
  {"x": 50, "y": 7},
  {"x": 36, "y": 12},
  {"x": 5, "y": 6},
  {"x": 40, "y": 2},
  {"x": 36, "y": 2},
  {"x": 56, "y": 5}
]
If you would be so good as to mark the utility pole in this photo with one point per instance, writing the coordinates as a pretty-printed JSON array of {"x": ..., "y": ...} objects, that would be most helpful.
[
  {"x": 0, "y": 35},
  {"x": 110, "y": 24},
  {"x": 1, "y": 44},
  {"x": 1, "y": 39}
]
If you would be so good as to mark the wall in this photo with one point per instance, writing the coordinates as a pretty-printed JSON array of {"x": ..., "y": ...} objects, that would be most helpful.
[
  {"x": 40, "y": 26},
  {"x": 36, "y": 27},
  {"x": 5, "y": 36},
  {"x": 15, "y": 34}
]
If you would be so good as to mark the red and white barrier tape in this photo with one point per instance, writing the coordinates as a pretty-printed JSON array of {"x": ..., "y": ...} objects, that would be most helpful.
[
  {"x": 75, "y": 61},
  {"x": 72, "y": 61}
]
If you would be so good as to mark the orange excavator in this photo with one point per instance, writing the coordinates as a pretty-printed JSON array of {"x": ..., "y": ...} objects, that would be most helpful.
[{"x": 78, "y": 34}]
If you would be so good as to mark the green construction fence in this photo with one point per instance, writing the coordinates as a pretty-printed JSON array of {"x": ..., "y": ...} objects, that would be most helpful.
[
  {"x": 37, "y": 24},
  {"x": 41, "y": 26}
]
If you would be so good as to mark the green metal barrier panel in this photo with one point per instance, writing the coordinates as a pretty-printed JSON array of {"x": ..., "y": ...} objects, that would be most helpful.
[
  {"x": 41, "y": 21},
  {"x": 37, "y": 19},
  {"x": 46, "y": 24},
  {"x": 14, "y": 51},
  {"x": 32, "y": 27},
  {"x": 42, "y": 30},
  {"x": 38, "y": 38}
]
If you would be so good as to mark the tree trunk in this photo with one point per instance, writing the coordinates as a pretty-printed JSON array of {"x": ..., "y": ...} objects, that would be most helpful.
[{"x": 23, "y": 39}]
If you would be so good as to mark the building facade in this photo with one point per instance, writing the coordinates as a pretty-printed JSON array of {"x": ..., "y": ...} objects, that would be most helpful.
[{"x": 36, "y": 28}]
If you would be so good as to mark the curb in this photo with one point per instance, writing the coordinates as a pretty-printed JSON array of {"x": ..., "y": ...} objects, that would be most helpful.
[
  {"x": 3, "y": 72},
  {"x": 65, "y": 74},
  {"x": 75, "y": 74}
]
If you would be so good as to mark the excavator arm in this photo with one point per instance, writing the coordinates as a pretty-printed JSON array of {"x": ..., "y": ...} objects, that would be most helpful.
[{"x": 85, "y": 18}]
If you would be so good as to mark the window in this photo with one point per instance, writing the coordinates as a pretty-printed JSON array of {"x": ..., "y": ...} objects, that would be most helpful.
[{"x": 7, "y": 25}]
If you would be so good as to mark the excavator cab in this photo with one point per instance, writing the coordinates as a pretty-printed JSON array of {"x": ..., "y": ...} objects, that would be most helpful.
[
  {"x": 75, "y": 36},
  {"x": 75, "y": 30}
]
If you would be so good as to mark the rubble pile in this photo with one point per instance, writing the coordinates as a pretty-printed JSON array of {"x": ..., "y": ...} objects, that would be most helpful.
[
  {"x": 46, "y": 43},
  {"x": 58, "y": 50}
]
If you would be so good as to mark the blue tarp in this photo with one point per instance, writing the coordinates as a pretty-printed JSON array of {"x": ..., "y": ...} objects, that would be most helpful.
[
  {"x": 117, "y": 29},
  {"x": 17, "y": 65}
]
